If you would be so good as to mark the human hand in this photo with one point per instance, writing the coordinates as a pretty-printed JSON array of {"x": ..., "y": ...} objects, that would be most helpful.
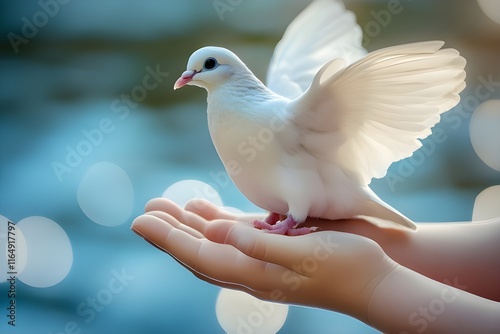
[{"x": 327, "y": 269}]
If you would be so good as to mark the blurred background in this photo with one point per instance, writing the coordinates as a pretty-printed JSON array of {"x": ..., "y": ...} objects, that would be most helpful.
[{"x": 91, "y": 129}]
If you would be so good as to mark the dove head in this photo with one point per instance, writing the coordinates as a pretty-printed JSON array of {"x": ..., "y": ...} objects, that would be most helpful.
[{"x": 211, "y": 67}]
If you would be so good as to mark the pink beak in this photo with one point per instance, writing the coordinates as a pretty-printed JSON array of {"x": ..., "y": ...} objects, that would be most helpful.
[{"x": 185, "y": 78}]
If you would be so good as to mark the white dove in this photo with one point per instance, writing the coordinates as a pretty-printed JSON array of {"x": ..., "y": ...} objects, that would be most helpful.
[{"x": 330, "y": 119}]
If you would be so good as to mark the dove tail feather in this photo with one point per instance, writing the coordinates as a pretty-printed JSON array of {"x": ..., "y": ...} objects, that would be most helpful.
[{"x": 381, "y": 214}]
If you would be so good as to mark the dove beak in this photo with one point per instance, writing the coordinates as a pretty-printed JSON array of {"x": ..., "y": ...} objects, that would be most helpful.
[{"x": 185, "y": 78}]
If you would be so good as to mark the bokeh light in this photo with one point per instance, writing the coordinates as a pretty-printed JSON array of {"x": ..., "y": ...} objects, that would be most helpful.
[
  {"x": 491, "y": 8},
  {"x": 183, "y": 191},
  {"x": 49, "y": 252},
  {"x": 486, "y": 204},
  {"x": 238, "y": 312},
  {"x": 485, "y": 133},
  {"x": 19, "y": 252},
  {"x": 106, "y": 195}
]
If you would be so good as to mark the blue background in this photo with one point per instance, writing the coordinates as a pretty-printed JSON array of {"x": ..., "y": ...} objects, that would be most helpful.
[{"x": 66, "y": 79}]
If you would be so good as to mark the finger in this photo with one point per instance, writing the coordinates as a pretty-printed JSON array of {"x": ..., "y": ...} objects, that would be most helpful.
[
  {"x": 271, "y": 295},
  {"x": 262, "y": 294},
  {"x": 210, "y": 212},
  {"x": 283, "y": 250},
  {"x": 219, "y": 262},
  {"x": 188, "y": 218},
  {"x": 177, "y": 224},
  {"x": 210, "y": 280},
  {"x": 162, "y": 204},
  {"x": 136, "y": 228}
]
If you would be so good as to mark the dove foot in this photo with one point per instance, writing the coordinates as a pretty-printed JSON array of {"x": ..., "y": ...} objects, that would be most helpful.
[
  {"x": 284, "y": 227},
  {"x": 268, "y": 222}
]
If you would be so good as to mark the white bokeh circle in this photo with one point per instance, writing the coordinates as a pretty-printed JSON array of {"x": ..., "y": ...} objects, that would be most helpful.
[
  {"x": 106, "y": 194},
  {"x": 485, "y": 133},
  {"x": 238, "y": 312},
  {"x": 17, "y": 255},
  {"x": 486, "y": 205},
  {"x": 183, "y": 191},
  {"x": 490, "y": 8},
  {"x": 49, "y": 252}
]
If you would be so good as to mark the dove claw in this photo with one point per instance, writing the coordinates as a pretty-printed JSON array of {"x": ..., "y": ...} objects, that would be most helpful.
[
  {"x": 268, "y": 222},
  {"x": 301, "y": 231},
  {"x": 272, "y": 218},
  {"x": 262, "y": 225},
  {"x": 284, "y": 227}
]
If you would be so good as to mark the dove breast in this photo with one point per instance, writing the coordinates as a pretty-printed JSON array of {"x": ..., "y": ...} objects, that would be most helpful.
[{"x": 245, "y": 137}]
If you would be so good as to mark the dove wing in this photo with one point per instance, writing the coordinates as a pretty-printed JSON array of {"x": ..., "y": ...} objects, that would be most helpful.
[
  {"x": 365, "y": 116},
  {"x": 325, "y": 30}
]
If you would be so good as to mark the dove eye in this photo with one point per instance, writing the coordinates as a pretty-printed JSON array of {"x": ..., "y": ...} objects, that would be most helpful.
[{"x": 210, "y": 64}]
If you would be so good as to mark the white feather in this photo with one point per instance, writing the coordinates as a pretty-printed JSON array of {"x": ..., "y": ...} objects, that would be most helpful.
[
  {"x": 380, "y": 106},
  {"x": 325, "y": 30}
]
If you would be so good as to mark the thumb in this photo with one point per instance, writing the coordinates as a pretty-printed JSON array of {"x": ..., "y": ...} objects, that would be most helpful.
[{"x": 283, "y": 250}]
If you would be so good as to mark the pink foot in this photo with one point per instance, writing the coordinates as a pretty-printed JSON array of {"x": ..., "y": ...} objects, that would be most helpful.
[
  {"x": 268, "y": 222},
  {"x": 284, "y": 227}
]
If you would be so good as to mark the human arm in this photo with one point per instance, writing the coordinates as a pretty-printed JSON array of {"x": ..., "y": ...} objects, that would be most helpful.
[
  {"x": 464, "y": 255},
  {"x": 408, "y": 302},
  {"x": 337, "y": 271}
]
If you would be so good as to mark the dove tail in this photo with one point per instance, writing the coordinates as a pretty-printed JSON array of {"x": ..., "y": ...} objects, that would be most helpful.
[{"x": 383, "y": 215}]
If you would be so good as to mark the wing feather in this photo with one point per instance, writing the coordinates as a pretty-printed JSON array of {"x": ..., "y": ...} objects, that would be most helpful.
[
  {"x": 325, "y": 30},
  {"x": 366, "y": 116}
]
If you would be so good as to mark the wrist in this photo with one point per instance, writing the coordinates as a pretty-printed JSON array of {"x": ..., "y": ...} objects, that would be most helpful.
[
  {"x": 380, "y": 292},
  {"x": 366, "y": 270},
  {"x": 384, "y": 271}
]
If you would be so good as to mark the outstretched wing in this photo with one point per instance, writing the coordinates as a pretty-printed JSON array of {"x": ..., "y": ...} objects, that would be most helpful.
[
  {"x": 324, "y": 31},
  {"x": 366, "y": 116}
]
